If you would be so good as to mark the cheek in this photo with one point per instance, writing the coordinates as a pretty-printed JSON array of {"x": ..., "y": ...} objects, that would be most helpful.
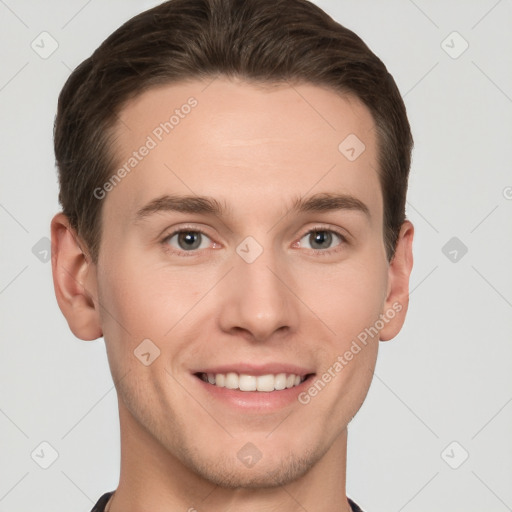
[
  {"x": 144, "y": 300},
  {"x": 349, "y": 302},
  {"x": 347, "y": 298},
  {"x": 127, "y": 312}
]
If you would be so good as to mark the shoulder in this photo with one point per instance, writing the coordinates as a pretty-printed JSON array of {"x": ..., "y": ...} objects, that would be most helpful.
[
  {"x": 355, "y": 507},
  {"x": 100, "y": 505}
]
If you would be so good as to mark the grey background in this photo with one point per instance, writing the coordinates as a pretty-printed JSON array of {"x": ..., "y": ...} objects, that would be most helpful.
[{"x": 446, "y": 378}]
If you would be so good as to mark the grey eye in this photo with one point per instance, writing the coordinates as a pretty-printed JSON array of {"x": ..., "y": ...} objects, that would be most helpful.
[
  {"x": 320, "y": 239},
  {"x": 189, "y": 240}
]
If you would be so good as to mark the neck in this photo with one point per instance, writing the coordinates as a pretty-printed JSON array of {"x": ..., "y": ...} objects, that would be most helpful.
[{"x": 152, "y": 478}]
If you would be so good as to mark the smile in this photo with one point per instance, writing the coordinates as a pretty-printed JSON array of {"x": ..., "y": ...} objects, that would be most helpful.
[{"x": 245, "y": 382}]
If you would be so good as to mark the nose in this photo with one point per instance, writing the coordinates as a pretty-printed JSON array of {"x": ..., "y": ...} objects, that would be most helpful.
[{"x": 258, "y": 300}]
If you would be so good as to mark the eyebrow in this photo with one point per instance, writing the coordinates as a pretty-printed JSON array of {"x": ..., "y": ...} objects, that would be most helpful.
[{"x": 322, "y": 202}]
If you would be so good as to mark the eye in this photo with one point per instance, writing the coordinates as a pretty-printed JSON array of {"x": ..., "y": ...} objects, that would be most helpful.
[
  {"x": 187, "y": 240},
  {"x": 321, "y": 239}
]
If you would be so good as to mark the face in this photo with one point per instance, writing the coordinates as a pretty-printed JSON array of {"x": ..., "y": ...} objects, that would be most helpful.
[{"x": 247, "y": 250}]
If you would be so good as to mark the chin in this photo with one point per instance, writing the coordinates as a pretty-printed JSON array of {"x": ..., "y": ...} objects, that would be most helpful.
[{"x": 229, "y": 473}]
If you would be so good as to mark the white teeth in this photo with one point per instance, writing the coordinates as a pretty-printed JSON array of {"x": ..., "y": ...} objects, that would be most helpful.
[
  {"x": 265, "y": 383},
  {"x": 245, "y": 382},
  {"x": 231, "y": 381},
  {"x": 280, "y": 381}
]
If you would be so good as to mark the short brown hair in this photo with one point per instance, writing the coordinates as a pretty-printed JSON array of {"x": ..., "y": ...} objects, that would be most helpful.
[{"x": 268, "y": 41}]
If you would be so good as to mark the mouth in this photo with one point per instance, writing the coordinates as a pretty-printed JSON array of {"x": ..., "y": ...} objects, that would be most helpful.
[{"x": 246, "y": 382}]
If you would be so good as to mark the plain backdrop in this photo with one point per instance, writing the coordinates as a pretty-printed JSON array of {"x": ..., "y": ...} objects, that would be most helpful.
[{"x": 434, "y": 432}]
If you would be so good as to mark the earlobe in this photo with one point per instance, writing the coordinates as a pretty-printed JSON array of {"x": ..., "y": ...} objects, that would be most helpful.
[
  {"x": 399, "y": 271},
  {"x": 74, "y": 281}
]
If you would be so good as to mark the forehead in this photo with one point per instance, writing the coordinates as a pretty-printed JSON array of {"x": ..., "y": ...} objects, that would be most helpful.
[{"x": 250, "y": 146}]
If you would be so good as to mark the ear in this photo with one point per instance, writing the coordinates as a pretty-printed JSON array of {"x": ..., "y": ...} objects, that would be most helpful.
[
  {"x": 399, "y": 271},
  {"x": 74, "y": 281}
]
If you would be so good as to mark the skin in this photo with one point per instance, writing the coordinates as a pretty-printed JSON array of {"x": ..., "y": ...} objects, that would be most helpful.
[{"x": 254, "y": 148}]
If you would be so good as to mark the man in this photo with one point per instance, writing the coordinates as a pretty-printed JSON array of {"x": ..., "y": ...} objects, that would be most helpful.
[{"x": 233, "y": 179}]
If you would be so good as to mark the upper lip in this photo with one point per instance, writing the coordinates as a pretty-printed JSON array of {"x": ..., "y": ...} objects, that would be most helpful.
[{"x": 254, "y": 369}]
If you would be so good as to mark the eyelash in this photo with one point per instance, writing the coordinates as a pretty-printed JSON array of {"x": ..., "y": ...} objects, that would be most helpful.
[{"x": 164, "y": 241}]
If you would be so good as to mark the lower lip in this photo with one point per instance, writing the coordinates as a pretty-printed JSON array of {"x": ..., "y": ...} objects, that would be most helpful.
[{"x": 260, "y": 401}]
